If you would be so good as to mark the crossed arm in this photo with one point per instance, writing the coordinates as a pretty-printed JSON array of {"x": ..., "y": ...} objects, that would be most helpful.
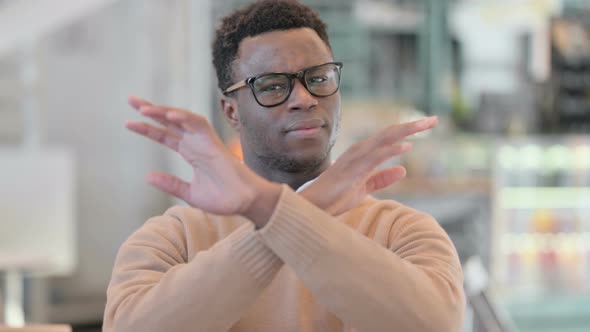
[{"x": 155, "y": 286}]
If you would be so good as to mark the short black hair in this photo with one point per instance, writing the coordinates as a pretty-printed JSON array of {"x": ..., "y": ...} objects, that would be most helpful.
[{"x": 255, "y": 19}]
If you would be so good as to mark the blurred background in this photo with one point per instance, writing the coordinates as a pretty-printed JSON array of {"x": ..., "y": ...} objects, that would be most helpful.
[{"x": 506, "y": 173}]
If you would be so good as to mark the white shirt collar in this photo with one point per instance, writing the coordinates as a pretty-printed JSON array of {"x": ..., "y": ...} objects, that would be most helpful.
[
  {"x": 305, "y": 185},
  {"x": 308, "y": 183}
]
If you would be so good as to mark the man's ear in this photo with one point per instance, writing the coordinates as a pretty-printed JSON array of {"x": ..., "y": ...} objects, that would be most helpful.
[{"x": 229, "y": 106}]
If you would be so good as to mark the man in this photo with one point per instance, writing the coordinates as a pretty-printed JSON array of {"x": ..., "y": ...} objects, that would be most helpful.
[{"x": 254, "y": 255}]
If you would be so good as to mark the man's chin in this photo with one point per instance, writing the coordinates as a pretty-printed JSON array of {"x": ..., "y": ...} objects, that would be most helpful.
[
  {"x": 303, "y": 165},
  {"x": 298, "y": 163}
]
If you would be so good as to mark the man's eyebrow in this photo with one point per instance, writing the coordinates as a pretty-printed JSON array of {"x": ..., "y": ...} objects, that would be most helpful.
[
  {"x": 273, "y": 70},
  {"x": 267, "y": 71}
]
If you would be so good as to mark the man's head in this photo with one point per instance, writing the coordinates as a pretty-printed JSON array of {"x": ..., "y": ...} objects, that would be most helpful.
[{"x": 279, "y": 36}]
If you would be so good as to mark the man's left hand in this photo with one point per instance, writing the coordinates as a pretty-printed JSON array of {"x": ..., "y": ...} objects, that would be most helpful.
[{"x": 352, "y": 177}]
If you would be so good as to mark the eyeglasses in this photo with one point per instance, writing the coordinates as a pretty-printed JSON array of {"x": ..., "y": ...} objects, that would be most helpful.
[{"x": 273, "y": 89}]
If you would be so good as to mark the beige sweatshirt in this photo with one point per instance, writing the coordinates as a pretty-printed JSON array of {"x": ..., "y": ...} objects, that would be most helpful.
[{"x": 379, "y": 267}]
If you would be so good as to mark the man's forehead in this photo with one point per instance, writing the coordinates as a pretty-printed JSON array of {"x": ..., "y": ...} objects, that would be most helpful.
[{"x": 281, "y": 51}]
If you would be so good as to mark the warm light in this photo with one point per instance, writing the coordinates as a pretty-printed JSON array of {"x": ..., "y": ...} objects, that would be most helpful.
[{"x": 235, "y": 147}]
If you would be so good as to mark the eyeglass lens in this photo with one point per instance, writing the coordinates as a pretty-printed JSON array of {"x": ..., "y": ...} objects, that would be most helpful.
[{"x": 274, "y": 89}]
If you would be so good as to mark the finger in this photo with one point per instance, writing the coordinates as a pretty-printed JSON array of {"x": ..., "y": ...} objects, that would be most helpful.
[
  {"x": 400, "y": 131},
  {"x": 385, "y": 153},
  {"x": 141, "y": 104},
  {"x": 392, "y": 150},
  {"x": 160, "y": 135},
  {"x": 158, "y": 114},
  {"x": 385, "y": 178},
  {"x": 188, "y": 121},
  {"x": 182, "y": 119},
  {"x": 169, "y": 184},
  {"x": 137, "y": 102}
]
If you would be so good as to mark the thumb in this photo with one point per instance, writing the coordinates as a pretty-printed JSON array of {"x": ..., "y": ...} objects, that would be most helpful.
[
  {"x": 385, "y": 178},
  {"x": 169, "y": 184}
]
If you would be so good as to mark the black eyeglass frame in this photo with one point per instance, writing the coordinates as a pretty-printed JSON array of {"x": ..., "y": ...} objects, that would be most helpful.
[{"x": 292, "y": 76}]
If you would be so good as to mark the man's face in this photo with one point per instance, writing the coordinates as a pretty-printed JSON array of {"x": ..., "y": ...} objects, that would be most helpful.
[{"x": 297, "y": 135}]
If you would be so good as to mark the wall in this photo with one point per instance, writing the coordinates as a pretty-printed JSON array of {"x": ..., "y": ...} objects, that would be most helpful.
[{"x": 87, "y": 72}]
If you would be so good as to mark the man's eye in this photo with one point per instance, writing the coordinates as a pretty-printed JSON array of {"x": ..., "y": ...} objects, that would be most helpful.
[
  {"x": 273, "y": 87},
  {"x": 318, "y": 79}
]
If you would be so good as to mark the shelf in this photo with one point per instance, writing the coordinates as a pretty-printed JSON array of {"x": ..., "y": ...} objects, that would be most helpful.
[{"x": 544, "y": 197}]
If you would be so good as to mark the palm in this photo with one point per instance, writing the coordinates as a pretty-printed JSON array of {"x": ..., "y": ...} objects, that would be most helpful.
[
  {"x": 214, "y": 185},
  {"x": 348, "y": 181},
  {"x": 210, "y": 193},
  {"x": 345, "y": 194},
  {"x": 220, "y": 182}
]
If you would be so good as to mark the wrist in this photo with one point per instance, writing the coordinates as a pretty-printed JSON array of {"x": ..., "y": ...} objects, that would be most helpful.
[
  {"x": 311, "y": 195},
  {"x": 263, "y": 203}
]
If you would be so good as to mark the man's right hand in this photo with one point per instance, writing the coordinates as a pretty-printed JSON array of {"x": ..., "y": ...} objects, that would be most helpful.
[
  {"x": 352, "y": 177},
  {"x": 221, "y": 184}
]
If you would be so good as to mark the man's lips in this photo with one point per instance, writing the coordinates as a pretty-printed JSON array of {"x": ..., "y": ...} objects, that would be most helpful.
[{"x": 305, "y": 125}]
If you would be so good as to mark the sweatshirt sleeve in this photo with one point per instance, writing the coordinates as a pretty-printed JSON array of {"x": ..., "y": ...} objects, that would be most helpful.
[
  {"x": 154, "y": 286},
  {"x": 413, "y": 285}
]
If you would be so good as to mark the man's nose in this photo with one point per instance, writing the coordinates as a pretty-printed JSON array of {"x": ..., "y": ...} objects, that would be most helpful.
[{"x": 301, "y": 99}]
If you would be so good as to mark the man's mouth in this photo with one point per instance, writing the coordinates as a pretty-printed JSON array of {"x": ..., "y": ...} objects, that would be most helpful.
[
  {"x": 303, "y": 126},
  {"x": 305, "y": 129}
]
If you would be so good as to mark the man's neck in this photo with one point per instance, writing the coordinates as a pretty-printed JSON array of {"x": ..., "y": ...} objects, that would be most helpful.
[{"x": 294, "y": 180}]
